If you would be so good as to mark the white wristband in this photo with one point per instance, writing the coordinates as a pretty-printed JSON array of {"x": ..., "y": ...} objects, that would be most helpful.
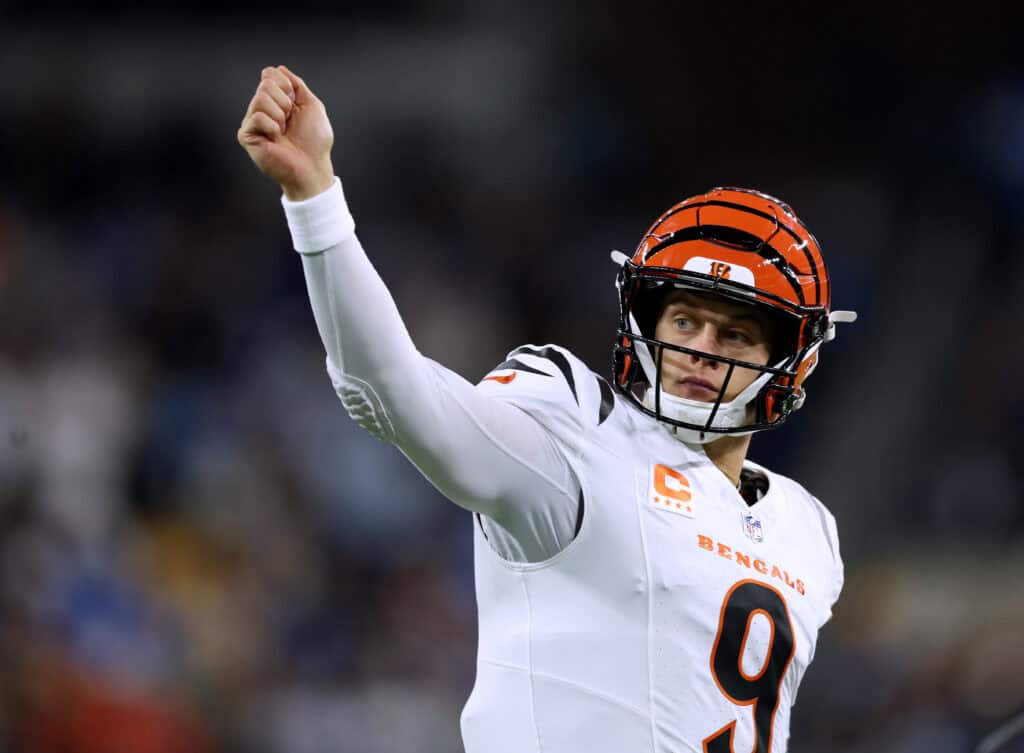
[{"x": 318, "y": 223}]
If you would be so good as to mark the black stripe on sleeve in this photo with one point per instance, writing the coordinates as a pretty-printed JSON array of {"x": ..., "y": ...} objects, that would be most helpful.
[
  {"x": 512, "y": 363},
  {"x": 579, "y": 516},
  {"x": 607, "y": 400},
  {"x": 557, "y": 359}
]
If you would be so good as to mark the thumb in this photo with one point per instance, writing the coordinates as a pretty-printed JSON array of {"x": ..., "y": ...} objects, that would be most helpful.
[{"x": 303, "y": 96}]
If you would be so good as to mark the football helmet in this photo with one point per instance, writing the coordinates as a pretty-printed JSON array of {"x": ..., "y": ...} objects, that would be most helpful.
[{"x": 747, "y": 247}]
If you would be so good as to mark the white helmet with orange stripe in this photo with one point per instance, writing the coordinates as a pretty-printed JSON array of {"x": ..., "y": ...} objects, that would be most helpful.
[{"x": 748, "y": 248}]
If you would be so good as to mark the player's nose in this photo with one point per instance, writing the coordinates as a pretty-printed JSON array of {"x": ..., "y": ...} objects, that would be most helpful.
[{"x": 704, "y": 340}]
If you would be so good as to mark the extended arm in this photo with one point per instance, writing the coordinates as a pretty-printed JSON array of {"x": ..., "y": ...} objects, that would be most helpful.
[{"x": 484, "y": 454}]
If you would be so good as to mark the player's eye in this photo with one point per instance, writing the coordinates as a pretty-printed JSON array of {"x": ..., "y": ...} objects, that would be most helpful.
[
  {"x": 739, "y": 337},
  {"x": 681, "y": 322}
]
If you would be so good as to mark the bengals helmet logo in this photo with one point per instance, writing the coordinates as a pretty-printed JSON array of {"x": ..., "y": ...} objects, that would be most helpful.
[{"x": 720, "y": 269}]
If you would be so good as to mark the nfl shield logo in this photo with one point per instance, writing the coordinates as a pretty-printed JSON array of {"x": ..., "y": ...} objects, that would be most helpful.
[{"x": 752, "y": 527}]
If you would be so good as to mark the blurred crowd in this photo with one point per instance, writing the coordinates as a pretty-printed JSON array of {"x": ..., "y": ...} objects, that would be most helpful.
[{"x": 199, "y": 552}]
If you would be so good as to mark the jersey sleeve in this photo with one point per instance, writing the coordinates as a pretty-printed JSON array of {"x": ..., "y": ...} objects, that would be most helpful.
[{"x": 481, "y": 452}]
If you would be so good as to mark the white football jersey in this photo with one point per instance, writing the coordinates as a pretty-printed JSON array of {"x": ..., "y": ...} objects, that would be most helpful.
[{"x": 678, "y": 619}]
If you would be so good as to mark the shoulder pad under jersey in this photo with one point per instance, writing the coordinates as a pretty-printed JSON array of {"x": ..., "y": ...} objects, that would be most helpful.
[{"x": 553, "y": 385}]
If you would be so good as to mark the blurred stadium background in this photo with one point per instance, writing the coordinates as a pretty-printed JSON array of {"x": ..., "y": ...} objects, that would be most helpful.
[{"x": 200, "y": 553}]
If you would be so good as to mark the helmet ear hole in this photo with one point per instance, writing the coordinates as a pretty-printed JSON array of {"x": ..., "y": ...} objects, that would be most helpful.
[{"x": 785, "y": 336}]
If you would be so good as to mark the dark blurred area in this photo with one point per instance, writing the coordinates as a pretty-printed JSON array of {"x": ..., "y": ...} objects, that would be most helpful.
[{"x": 200, "y": 552}]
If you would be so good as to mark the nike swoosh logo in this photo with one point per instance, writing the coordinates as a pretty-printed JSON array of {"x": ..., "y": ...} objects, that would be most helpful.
[{"x": 501, "y": 379}]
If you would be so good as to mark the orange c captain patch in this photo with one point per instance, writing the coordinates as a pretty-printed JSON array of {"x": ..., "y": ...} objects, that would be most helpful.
[{"x": 670, "y": 490}]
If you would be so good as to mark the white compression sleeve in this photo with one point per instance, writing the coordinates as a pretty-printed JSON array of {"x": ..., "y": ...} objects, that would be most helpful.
[{"x": 484, "y": 454}]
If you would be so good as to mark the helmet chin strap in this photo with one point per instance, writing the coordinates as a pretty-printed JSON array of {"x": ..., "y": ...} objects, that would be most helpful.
[{"x": 729, "y": 414}]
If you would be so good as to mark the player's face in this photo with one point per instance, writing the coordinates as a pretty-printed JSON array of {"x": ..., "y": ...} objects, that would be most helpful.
[{"x": 716, "y": 326}]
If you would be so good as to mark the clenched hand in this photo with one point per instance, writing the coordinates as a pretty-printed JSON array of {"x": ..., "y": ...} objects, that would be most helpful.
[{"x": 288, "y": 135}]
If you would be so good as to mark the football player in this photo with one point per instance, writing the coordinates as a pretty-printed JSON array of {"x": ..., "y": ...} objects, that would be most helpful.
[{"x": 641, "y": 585}]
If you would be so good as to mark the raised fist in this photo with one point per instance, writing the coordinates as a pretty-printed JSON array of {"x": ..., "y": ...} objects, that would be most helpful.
[{"x": 287, "y": 134}]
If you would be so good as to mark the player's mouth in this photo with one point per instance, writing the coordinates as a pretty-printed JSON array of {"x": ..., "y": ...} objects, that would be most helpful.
[{"x": 695, "y": 388}]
